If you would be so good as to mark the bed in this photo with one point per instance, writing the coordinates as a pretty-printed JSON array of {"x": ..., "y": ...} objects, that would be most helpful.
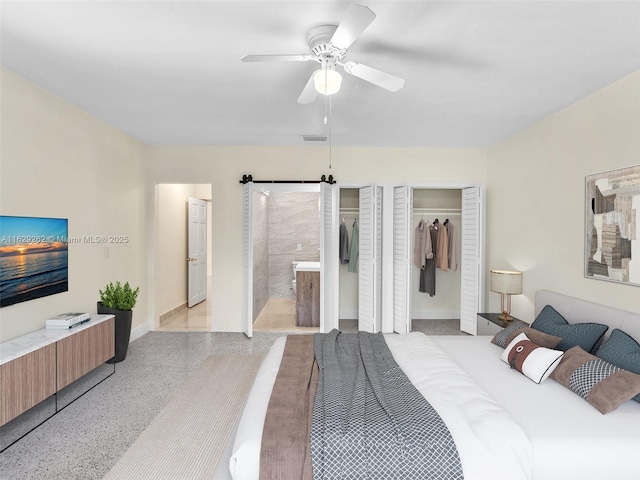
[{"x": 504, "y": 425}]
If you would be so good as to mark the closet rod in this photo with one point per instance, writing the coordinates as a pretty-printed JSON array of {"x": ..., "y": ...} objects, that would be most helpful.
[{"x": 349, "y": 210}]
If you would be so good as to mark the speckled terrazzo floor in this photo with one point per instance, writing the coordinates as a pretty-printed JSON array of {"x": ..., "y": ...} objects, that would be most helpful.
[{"x": 86, "y": 439}]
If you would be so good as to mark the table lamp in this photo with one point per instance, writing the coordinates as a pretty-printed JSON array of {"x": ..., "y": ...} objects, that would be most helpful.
[{"x": 506, "y": 283}]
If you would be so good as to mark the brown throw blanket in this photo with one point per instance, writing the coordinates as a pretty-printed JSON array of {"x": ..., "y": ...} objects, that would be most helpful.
[{"x": 285, "y": 453}]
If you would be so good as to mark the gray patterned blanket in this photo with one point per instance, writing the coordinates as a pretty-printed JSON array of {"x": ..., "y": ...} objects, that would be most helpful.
[{"x": 369, "y": 421}]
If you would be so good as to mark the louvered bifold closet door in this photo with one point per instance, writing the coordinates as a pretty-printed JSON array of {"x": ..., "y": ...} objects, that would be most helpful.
[
  {"x": 247, "y": 261},
  {"x": 329, "y": 258},
  {"x": 377, "y": 259},
  {"x": 401, "y": 259},
  {"x": 366, "y": 306},
  {"x": 470, "y": 259}
]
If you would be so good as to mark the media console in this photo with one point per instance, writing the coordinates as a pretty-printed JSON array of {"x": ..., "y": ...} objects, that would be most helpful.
[{"x": 44, "y": 364}]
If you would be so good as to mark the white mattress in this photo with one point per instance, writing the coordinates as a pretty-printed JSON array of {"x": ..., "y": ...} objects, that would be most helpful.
[{"x": 569, "y": 437}]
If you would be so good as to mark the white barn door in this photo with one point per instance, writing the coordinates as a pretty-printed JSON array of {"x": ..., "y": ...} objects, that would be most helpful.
[
  {"x": 402, "y": 259},
  {"x": 328, "y": 258},
  {"x": 370, "y": 259},
  {"x": 471, "y": 259},
  {"x": 247, "y": 261}
]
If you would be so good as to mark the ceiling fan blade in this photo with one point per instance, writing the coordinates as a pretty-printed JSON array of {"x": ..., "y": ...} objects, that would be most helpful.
[
  {"x": 357, "y": 18},
  {"x": 375, "y": 76},
  {"x": 309, "y": 92},
  {"x": 276, "y": 58}
]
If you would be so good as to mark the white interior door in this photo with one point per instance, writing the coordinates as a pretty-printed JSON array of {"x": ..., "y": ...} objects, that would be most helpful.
[
  {"x": 329, "y": 285},
  {"x": 370, "y": 259},
  {"x": 197, "y": 252},
  {"x": 402, "y": 259},
  {"x": 471, "y": 259},
  {"x": 366, "y": 311},
  {"x": 247, "y": 261}
]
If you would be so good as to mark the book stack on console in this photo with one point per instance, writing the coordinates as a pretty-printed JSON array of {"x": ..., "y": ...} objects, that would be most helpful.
[{"x": 66, "y": 321}]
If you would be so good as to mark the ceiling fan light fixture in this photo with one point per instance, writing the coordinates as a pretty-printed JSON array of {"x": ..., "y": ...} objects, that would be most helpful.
[{"x": 327, "y": 81}]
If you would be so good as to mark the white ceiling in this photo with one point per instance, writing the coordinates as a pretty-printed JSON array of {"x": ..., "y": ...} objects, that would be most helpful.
[{"x": 169, "y": 72}]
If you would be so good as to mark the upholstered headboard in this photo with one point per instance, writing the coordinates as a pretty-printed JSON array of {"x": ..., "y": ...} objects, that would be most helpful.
[{"x": 581, "y": 311}]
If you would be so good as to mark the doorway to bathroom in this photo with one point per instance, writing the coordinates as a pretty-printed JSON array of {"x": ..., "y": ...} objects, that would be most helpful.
[
  {"x": 285, "y": 240},
  {"x": 183, "y": 269}
]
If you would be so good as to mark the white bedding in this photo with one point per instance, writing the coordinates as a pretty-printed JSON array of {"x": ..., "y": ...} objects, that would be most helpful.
[
  {"x": 491, "y": 445},
  {"x": 571, "y": 440}
]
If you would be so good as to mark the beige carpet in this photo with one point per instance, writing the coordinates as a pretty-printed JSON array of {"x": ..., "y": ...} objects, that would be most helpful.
[{"x": 188, "y": 437}]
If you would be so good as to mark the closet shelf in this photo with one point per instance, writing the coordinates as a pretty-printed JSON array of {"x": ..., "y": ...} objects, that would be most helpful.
[{"x": 437, "y": 211}]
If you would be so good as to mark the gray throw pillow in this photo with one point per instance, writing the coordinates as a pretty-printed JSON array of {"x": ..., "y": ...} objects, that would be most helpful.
[
  {"x": 623, "y": 351},
  {"x": 585, "y": 335}
]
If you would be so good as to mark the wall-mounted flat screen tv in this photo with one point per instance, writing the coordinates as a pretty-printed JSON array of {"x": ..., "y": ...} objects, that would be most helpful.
[{"x": 33, "y": 258}]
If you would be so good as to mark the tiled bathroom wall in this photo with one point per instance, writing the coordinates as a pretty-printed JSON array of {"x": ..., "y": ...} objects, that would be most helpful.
[{"x": 294, "y": 220}]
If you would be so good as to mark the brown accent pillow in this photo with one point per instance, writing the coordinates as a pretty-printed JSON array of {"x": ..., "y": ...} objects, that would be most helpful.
[
  {"x": 507, "y": 334},
  {"x": 600, "y": 383}
]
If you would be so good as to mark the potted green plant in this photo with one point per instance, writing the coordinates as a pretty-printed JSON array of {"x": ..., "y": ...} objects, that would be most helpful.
[{"x": 119, "y": 300}]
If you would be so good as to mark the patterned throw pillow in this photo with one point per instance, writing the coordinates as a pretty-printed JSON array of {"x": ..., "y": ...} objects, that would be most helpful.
[
  {"x": 586, "y": 335},
  {"x": 623, "y": 351},
  {"x": 504, "y": 336},
  {"x": 602, "y": 384},
  {"x": 533, "y": 361}
]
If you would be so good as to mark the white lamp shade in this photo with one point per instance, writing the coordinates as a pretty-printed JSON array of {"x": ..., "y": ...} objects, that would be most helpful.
[
  {"x": 327, "y": 81},
  {"x": 506, "y": 281}
]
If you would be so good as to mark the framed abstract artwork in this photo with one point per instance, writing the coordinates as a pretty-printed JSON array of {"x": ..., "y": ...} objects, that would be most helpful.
[{"x": 612, "y": 226}]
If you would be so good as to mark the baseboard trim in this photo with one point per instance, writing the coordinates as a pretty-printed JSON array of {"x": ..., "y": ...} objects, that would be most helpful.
[{"x": 173, "y": 311}]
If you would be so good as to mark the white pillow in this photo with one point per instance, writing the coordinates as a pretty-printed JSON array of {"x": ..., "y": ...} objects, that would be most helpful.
[{"x": 533, "y": 361}]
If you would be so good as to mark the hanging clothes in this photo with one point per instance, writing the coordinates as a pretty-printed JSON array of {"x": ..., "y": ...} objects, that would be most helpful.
[
  {"x": 454, "y": 246},
  {"x": 353, "y": 254},
  {"x": 442, "y": 251},
  {"x": 344, "y": 244},
  {"x": 422, "y": 246},
  {"x": 428, "y": 274}
]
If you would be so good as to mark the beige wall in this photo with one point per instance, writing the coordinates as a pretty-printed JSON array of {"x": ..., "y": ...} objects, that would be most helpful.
[
  {"x": 536, "y": 195},
  {"x": 224, "y": 167},
  {"x": 58, "y": 161}
]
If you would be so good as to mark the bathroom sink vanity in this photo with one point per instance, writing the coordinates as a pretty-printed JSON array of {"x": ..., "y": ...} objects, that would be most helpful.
[{"x": 307, "y": 294}]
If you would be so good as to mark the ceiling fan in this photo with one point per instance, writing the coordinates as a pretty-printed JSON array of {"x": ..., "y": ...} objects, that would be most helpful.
[{"x": 328, "y": 45}]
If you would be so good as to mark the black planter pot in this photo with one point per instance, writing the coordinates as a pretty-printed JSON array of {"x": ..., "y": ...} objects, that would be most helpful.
[{"x": 123, "y": 330}]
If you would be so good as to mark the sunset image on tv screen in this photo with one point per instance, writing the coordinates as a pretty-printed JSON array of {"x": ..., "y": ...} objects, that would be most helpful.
[{"x": 33, "y": 258}]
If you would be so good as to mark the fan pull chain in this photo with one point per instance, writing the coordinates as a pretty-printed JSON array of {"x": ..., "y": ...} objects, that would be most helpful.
[{"x": 330, "y": 136}]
